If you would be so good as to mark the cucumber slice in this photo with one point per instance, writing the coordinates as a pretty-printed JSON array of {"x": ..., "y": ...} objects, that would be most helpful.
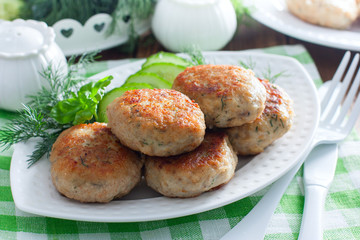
[
  {"x": 137, "y": 85},
  {"x": 166, "y": 57},
  {"x": 111, "y": 95},
  {"x": 150, "y": 78},
  {"x": 168, "y": 71}
]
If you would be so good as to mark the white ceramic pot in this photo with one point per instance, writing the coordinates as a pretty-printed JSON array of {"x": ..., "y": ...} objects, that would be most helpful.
[
  {"x": 26, "y": 48},
  {"x": 182, "y": 24}
]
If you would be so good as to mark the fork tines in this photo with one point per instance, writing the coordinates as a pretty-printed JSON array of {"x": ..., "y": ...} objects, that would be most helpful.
[{"x": 345, "y": 86}]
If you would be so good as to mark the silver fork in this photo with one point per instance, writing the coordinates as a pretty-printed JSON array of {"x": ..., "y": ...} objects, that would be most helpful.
[{"x": 333, "y": 128}]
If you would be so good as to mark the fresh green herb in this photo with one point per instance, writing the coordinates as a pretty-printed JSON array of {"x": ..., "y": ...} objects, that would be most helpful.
[
  {"x": 222, "y": 103},
  {"x": 273, "y": 77},
  {"x": 242, "y": 12},
  {"x": 28, "y": 124},
  {"x": 267, "y": 74},
  {"x": 83, "y": 162},
  {"x": 196, "y": 56},
  {"x": 51, "y": 11},
  {"x": 249, "y": 64},
  {"x": 282, "y": 123},
  {"x": 36, "y": 120},
  {"x": 127, "y": 11},
  {"x": 10, "y": 9},
  {"x": 144, "y": 142},
  {"x": 59, "y": 83},
  {"x": 83, "y": 105}
]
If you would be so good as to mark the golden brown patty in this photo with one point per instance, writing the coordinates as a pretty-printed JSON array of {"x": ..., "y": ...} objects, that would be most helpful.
[
  {"x": 210, "y": 165},
  {"x": 89, "y": 164},
  {"x": 228, "y": 95},
  {"x": 273, "y": 123},
  {"x": 328, "y": 13},
  {"x": 157, "y": 122}
]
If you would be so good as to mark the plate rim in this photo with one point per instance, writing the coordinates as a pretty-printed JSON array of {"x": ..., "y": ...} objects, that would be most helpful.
[
  {"x": 29, "y": 209},
  {"x": 305, "y": 31}
]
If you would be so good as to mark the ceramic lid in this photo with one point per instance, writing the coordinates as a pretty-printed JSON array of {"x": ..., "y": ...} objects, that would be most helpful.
[{"x": 20, "y": 38}]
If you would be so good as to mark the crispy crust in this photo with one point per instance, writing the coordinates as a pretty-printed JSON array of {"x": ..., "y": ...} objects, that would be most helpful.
[
  {"x": 89, "y": 164},
  {"x": 332, "y": 14},
  {"x": 273, "y": 123},
  {"x": 157, "y": 122},
  {"x": 228, "y": 95},
  {"x": 210, "y": 165}
]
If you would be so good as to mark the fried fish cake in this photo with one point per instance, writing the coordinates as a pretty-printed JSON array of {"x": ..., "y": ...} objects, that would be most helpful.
[
  {"x": 209, "y": 166},
  {"x": 273, "y": 123},
  {"x": 89, "y": 164},
  {"x": 157, "y": 122},
  {"x": 228, "y": 95},
  {"x": 328, "y": 13}
]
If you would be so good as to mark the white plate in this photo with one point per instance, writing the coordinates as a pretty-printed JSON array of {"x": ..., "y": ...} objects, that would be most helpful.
[
  {"x": 275, "y": 15},
  {"x": 34, "y": 192}
]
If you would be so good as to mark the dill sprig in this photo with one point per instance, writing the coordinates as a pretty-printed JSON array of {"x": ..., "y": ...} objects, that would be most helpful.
[
  {"x": 267, "y": 74},
  {"x": 249, "y": 64},
  {"x": 272, "y": 77},
  {"x": 196, "y": 56},
  {"x": 29, "y": 123},
  {"x": 34, "y": 120},
  {"x": 59, "y": 83}
]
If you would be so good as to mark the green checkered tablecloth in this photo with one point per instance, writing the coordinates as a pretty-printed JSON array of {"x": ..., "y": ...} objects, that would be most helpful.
[{"x": 342, "y": 209}]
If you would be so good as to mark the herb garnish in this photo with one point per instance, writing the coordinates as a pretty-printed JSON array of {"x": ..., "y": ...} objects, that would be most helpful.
[
  {"x": 273, "y": 77},
  {"x": 249, "y": 64},
  {"x": 82, "y": 105},
  {"x": 267, "y": 74},
  {"x": 48, "y": 112},
  {"x": 196, "y": 56}
]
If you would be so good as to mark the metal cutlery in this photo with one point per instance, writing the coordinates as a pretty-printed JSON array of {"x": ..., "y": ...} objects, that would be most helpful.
[{"x": 332, "y": 128}]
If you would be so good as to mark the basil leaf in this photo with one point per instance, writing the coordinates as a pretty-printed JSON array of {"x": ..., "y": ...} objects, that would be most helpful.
[{"x": 83, "y": 104}]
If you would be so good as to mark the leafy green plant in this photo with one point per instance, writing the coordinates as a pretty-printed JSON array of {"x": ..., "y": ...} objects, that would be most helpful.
[
  {"x": 66, "y": 101},
  {"x": 196, "y": 56},
  {"x": 127, "y": 11},
  {"x": 82, "y": 106},
  {"x": 51, "y": 11},
  {"x": 10, "y": 9}
]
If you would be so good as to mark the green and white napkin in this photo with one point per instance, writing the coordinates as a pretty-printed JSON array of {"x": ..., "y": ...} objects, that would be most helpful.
[{"x": 342, "y": 209}]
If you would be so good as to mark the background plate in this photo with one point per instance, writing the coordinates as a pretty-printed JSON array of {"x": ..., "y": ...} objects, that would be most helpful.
[
  {"x": 34, "y": 192},
  {"x": 275, "y": 15}
]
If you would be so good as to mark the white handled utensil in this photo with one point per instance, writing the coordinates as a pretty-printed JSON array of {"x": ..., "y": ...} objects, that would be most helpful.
[
  {"x": 332, "y": 128},
  {"x": 319, "y": 170}
]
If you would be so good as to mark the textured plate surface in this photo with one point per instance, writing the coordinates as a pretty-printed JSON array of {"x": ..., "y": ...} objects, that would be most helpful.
[
  {"x": 34, "y": 192},
  {"x": 275, "y": 15}
]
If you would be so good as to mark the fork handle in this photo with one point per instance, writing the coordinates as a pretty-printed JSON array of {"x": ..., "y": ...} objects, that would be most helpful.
[
  {"x": 312, "y": 220},
  {"x": 253, "y": 225}
]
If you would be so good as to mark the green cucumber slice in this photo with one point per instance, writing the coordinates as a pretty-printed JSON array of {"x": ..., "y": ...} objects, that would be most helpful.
[
  {"x": 168, "y": 71},
  {"x": 111, "y": 95},
  {"x": 137, "y": 85},
  {"x": 166, "y": 57},
  {"x": 150, "y": 78}
]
